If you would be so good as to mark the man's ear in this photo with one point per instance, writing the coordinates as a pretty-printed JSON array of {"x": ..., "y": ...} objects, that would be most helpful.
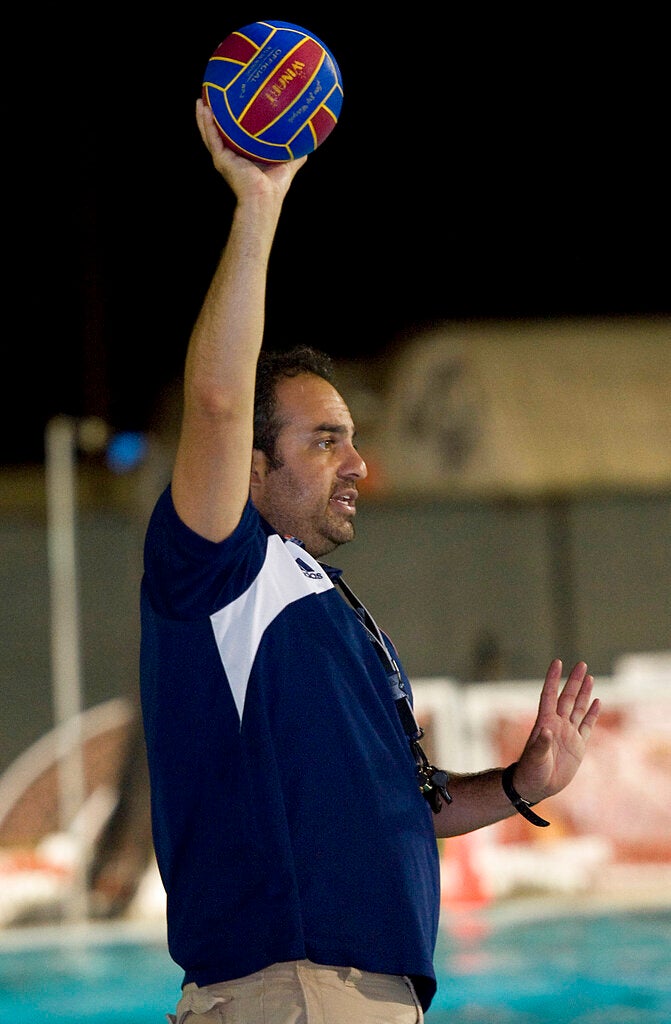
[{"x": 259, "y": 467}]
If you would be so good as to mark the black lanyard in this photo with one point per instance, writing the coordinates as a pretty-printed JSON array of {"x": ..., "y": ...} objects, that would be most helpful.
[{"x": 432, "y": 781}]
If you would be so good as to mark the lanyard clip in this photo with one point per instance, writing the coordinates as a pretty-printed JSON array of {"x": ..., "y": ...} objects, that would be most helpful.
[{"x": 433, "y": 785}]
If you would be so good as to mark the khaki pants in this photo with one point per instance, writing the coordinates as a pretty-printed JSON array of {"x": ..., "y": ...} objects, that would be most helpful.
[{"x": 300, "y": 992}]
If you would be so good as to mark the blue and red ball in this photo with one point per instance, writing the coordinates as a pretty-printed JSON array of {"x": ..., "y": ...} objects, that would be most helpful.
[{"x": 275, "y": 91}]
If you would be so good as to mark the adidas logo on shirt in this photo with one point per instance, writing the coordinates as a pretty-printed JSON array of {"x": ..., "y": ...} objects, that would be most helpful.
[{"x": 308, "y": 571}]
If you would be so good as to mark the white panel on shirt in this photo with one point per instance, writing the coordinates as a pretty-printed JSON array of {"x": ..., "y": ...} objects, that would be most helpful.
[{"x": 239, "y": 627}]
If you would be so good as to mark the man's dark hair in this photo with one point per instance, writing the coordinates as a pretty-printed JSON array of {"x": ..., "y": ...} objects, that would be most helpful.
[{"x": 271, "y": 367}]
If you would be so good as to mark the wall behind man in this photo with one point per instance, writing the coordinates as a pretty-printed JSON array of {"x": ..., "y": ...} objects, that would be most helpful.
[
  {"x": 487, "y": 590},
  {"x": 108, "y": 574}
]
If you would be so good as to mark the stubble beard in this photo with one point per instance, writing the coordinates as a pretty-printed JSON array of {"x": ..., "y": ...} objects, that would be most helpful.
[
  {"x": 320, "y": 533},
  {"x": 335, "y": 532}
]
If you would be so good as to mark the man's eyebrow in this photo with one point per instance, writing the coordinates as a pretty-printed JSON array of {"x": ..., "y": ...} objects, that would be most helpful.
[
  {"x": 329, "y": 428},
  {"x": 339, "y": 429}
]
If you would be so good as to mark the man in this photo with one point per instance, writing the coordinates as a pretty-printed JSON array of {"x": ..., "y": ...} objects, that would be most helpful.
[{"x": 291, "y": 828}]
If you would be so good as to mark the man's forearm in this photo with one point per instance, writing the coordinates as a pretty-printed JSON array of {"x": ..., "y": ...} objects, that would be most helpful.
[{"x": 477, "y": 800}]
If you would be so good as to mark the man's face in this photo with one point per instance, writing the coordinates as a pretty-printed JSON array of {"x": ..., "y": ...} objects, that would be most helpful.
[{"x": 313, "y": 494}]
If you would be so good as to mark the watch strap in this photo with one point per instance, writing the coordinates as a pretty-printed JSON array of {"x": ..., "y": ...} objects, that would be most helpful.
[{"x": 521, "y": 805}]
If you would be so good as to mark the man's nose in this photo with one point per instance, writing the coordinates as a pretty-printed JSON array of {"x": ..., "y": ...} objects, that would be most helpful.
[{"x": 354, "y": 465}]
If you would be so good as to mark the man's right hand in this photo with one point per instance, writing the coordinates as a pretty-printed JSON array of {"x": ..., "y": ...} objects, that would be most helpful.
[{"x": 243, "y": 175}]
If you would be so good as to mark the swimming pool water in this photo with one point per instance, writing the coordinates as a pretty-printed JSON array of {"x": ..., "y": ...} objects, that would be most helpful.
[
  {"x": 79, "y": 982},
  {"x": 580, "y": 969}
]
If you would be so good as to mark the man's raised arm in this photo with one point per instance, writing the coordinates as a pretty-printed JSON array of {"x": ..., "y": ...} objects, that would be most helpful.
[{"x": 210, "y": 481}]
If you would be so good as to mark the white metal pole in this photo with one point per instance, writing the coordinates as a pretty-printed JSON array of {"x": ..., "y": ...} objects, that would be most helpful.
[{"x": 60, "y": 456}]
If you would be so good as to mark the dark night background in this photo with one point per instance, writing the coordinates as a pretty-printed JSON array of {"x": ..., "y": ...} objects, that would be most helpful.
[{"x": 484, "y": 166}]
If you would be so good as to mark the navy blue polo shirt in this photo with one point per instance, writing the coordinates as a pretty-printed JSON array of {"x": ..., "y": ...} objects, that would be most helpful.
[{"x": 287, "y": 818}]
